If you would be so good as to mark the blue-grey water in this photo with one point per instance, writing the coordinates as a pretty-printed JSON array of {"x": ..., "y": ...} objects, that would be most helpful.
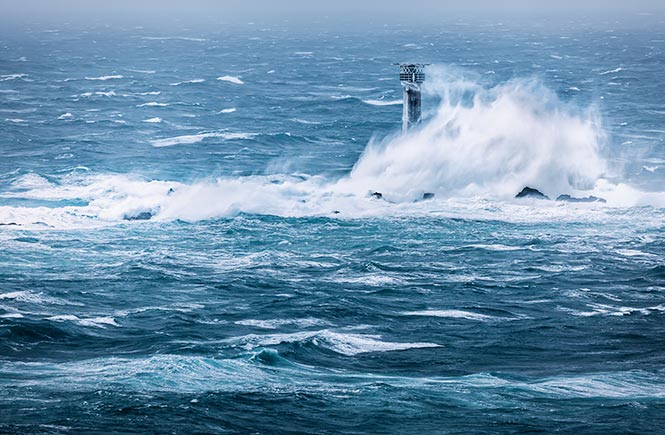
[{"x": 188, "y": 243}]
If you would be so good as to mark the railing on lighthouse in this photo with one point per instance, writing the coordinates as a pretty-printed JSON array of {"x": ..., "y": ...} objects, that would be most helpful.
[{"x": 411, "y": 75}]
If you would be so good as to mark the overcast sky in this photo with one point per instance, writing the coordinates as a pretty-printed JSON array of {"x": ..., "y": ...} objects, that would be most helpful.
[{"x": 206, "y": 11}]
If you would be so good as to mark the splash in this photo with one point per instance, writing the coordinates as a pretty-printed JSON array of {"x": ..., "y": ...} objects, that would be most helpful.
[
  {"x": 474, "y": 152},
  {"x": 487, "y": 142}
]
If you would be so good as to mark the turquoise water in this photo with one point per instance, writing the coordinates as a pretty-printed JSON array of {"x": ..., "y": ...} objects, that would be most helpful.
[{"x": 190, "y": 244}]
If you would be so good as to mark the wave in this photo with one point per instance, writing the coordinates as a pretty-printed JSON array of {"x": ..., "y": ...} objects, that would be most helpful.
[
  {"x": 100, "y": 93},
  {"x": 155, "y": 120},
  {"x": 194, "y": 138},
  {"x": 30, "y": 297},
  {"x": 383, "y": 102},
  {"x": 342, "y": 343},
  {"x": 480, "y": 146},
  {"x": 187, "y": 82},
  {"x": 7, "y": 77},
  {"x": 612, "y": 71},
  {"x": 609, "y": 310},
  {"x": 104, "y": 78},
  {"x": 98, "y": 322},
  {"x": 489, "y": 142},
  {"x": 277, "y": 323},
  {"x": 229, "y": 110},
  {"x": 268, "y": 370},
  {"x": 455, "y": 314},
  {"x": 173, "y": 38},
  {"x": 153, "y": 104},
  {"x": 231, "y": 79}
]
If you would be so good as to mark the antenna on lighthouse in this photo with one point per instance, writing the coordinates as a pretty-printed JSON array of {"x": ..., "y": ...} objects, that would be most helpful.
[{"x": 411, "y": 75}]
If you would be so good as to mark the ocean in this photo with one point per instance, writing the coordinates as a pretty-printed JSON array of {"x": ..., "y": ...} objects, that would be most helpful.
[{"x": 189, "y": 240}]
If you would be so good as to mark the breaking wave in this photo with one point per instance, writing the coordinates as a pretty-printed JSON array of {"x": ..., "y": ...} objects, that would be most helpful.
[
  {"x": 488, "y": 142},
  {"x": 471, "y": 156}
]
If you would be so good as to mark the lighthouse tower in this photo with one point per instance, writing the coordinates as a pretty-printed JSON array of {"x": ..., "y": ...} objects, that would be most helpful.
[{"x": 411, "y": 75}]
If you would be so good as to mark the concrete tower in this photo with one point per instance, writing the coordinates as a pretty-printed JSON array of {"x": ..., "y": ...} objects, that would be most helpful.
[{"x": 411, "y": 75}]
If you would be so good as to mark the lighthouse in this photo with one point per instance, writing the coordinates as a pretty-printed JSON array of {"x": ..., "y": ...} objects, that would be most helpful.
[{"x": 411, "y": 75}]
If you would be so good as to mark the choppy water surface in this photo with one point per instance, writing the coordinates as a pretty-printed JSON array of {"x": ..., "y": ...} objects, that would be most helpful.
[{"x": 269, "y": 292}]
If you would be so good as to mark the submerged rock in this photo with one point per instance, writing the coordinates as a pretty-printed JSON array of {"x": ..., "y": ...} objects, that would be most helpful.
[
  {"x": 530, "y": 192},
  {"x": 143, "y": 216},
  {"x": 377, "y": 195},
  {"x": 427, "y": 195},
  {"x": 10, "y": 224},
  {"x": 569, "y": 198}
]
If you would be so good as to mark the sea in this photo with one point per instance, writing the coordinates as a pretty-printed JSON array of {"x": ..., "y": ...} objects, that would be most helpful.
[{"x": 224, "y": 230}]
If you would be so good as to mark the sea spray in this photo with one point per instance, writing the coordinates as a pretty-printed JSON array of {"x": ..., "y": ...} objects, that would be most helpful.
[
  {"x": 479, "y": 144},
  {"x": 486, "y": 142}
]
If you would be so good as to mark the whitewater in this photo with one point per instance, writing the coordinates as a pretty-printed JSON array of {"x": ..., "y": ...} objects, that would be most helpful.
[{"x": 198, "y": 240}]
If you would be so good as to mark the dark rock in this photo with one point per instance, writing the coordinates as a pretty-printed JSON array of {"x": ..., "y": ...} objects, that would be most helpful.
[
  {"x": 529, "y": 192},
  {"x": 143, "y": 216},
  {"x": 171, "y": 191},
  {"x": 10, "y": 224},
  {"x": 336, "y": 212},
  {"x": 377, "y": 195},
  {"x": 569, "y": 198},
  {"x": 427, "y": 195}
]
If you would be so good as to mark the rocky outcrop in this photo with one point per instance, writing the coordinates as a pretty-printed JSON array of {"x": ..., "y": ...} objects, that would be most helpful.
[
  {"x": 569, "y": 198},
  {"x": 530, "y": 192},
  {"x": 142, "y": 216}
]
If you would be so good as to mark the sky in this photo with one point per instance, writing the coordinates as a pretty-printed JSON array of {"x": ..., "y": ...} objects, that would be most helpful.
[{"x": 194, "y": 12}]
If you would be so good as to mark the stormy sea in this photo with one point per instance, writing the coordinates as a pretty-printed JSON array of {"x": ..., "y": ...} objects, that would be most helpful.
[{"x": 226, "y": 231}]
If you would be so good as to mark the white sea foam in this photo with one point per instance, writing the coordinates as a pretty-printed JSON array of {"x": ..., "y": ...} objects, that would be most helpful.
[
  {"x": 104, "y": 78},
  {"x": 98, "y": 322},
  {"x": 6, "y": 77},
  {"x": 153, "y": 120},
  {"x": 24, "y": 296},
  {"x": 277, "y": 323},
  {"x": 16, "y": 120},
  {"x": 489, "y": 142},
  {"x": 173, "y": 38},
  {"x": 612, "y": 71},
  {"x": 495, "y": 247},
  {"x": 613, "y": 385},
  {"x": 345, "y": 344},
  {"x": 31, "y": 297},
  {"x": 100, "y": 93},
  {"x": 187, "y": 82},
  {"x": 383, "y": 102},
  {"x": 65, "y": 116},
  {"x": 370, "y": 280},
  {"x": 304, "y": 121},
  {"x": 143, "y": 71},
  {"x": 610, "y": 310},
  {"x": 455, "y": 314},
  {"x": 153, "y": 104},
  {"x": 479, "y": 148},
  {"x": 194, "y": 138},
  {"x": 31, "y": 181},
  {"x": 229, "y": 110},
  {"x": 231, "y": 79}
]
